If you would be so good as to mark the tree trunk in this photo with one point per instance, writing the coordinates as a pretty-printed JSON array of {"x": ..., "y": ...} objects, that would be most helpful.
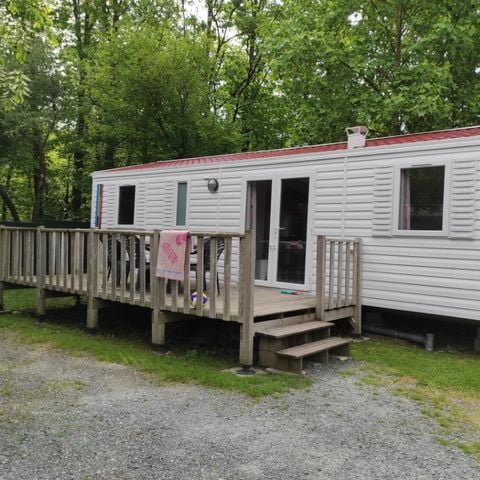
[
  {"x": 7, "y": 188},
  {"x": 8, "y": 202},
  {"x": 39, "y": 180},
  {"x": 78, "y": 168},
  {"x": 109, "y": 157}
]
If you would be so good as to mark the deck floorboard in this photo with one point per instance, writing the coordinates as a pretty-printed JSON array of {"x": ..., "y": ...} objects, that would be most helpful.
[{"x": 267, "y": 301}]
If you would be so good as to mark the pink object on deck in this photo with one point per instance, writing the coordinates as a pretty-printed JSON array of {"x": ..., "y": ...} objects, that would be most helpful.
[{"x": 171, "y": 254}]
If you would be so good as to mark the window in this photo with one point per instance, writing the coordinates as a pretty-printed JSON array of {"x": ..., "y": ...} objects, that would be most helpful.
[
  {"x": 422, "y": 192},
  {"x": 126, "y": 205},
  {"x": 181, "y": 219}
]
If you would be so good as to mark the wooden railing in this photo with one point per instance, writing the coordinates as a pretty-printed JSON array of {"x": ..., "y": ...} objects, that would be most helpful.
[
  {"x": 339, "y": 277},
  {"x": 122, "y": 269},
  {"x": 119, "y": 265},
  {"x": 63, "y": 262},
  {"x": 17, "y": 255}
]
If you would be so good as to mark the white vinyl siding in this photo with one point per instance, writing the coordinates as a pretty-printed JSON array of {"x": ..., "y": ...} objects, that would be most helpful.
[
  {"x": 436, "y": 275},
  {"x": 329, "y": 199},
  {"x": 203, "y": 208}
]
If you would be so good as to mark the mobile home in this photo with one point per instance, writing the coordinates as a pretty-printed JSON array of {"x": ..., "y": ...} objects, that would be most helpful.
[{"x": 413, "y": 200}]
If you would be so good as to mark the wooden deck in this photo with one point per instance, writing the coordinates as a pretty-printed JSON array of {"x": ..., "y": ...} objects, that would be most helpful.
[
  {"x": 85, "y": 262},
  {"x": 267, "y": 301}
]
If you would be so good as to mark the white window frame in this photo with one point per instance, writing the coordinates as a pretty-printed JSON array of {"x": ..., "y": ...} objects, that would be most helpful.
[
  {"x": 117, "y": 205},
  {"x": 175, "y": 205},
  {"x": 396, "y": 199},
  {"x": 276, "y": 179}
]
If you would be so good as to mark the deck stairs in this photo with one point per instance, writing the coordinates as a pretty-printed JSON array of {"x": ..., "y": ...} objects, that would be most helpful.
[{"x": 285, "y": 342}]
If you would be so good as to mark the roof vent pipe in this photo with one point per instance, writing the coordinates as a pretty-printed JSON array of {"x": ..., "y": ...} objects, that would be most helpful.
[{"x": 356, "y": 136}]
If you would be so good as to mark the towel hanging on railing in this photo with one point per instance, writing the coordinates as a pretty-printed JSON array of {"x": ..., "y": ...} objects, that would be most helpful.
[{"x": 171, "y": 254}]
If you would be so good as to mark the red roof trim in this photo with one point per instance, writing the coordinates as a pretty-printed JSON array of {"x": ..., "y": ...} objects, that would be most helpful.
[{"x": 329, "y": 147}]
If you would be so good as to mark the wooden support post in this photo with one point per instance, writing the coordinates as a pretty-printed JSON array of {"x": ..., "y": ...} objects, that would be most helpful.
[
  {"x": 476, "y": 342},
  {"x": 2, "y": 289},
  {"x": 357, "y": 328},
  {"x": 157, "y": 295},
  {"x": 41, "y": 269},
  {"x": 186, "y": 277},
  {"x": 200, "y": 274},
  {"x": 92, "y": 304},
  {"x": 4, "y": 254},
  {"x": 158, "y": 327},
  {"x": 246, "y": 296},
  {"x": 3, "y": 265},
  {"x": 92, "y": 313},
  {"x": 158, "y": 285},
  {"x": 321, "y": 266}
]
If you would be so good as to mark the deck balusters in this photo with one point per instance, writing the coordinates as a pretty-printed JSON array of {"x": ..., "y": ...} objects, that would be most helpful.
[{"x": 339, "y": 286}]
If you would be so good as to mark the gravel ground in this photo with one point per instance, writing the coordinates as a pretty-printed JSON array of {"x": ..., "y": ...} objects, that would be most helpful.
[{"x": 66, "y": 417}]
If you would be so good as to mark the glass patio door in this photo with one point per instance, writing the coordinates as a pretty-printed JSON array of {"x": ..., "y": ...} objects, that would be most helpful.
[
  {"x": 292, "y": 231},
  {"x": 259, "y": 213},
  {"x": 278, "y": 211}
]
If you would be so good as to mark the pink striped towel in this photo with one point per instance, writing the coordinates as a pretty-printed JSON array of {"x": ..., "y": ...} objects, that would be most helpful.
[{"x": 171, "y": 254}]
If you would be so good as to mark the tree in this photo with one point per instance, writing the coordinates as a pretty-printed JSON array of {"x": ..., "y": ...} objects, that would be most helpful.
[
  {"x": 20, "y": 21},
  {"x": 394, "y": 65},
  {"x": 158, "y": 105},
  {"x": 30, "y": 127},
  {"x": 241, "y": 87}
]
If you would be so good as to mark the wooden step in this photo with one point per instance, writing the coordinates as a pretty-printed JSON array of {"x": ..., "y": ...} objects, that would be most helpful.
[
  {"x": 263, "y": 325},
  {"x": 296, "y": 329},
  {"x": 312, "y": 348}
]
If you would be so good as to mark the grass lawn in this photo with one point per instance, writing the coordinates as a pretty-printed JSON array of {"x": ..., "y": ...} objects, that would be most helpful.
[
  {"x": 185, "y": 367},
  {"x": 446, "y": 385}
]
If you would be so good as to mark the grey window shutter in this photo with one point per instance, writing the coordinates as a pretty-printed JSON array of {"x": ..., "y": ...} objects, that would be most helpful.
[
  {"x": 141, "y": 203},
  {"x": 462, "y": 198},
  {"x": 383, "y": 201}
]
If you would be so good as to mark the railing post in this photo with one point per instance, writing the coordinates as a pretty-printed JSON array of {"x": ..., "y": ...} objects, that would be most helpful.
[
  {"x": 357, "y": 328},
  {"x": 157, "y": 295},
  {"x": 246, "y": 289},
  {"x": 321, "y": 281},
  {"x": 41, "y": 269},
  {"x": 92, "y": 304}
]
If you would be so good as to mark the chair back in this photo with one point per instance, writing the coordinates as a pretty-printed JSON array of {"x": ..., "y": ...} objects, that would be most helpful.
[
  {"x": 206, "y": 251},
  {"x": 118, "y": 246}
]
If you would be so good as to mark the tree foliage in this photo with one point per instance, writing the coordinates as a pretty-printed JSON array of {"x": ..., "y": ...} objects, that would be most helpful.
[
  {"x": 94, "y": 84},
  {"x": 396, "y": 65}
]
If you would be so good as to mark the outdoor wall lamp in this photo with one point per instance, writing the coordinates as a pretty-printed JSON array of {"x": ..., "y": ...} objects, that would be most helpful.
[{"x": 212, "y": 184}]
